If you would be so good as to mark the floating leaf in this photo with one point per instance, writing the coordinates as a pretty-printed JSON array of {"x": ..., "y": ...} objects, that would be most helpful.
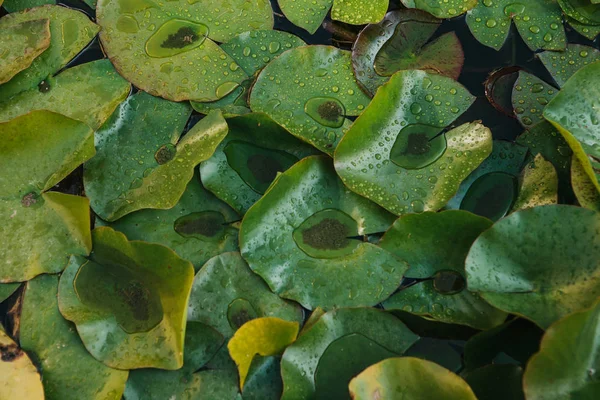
[
  {"x": 300, "y": 360},
  {"x": 529, "y": 98},
  {"x": 410, "y": 378},
  {"x": 400, "y": 42},
  {"x": 497, "y": 382},
  {"x": 585, "y": 189},
  {"x": 20, "y": 5},
  {"x": 69, "y": 372},
  {"x": 309, "y": 91},
  {"x": 539, "y": 184},
  {"x": 249, "y": 158},
  {"x": 70, "y": 32},
  {"x": 155, "y": 162},
  {"x": 168, "y": 50},
  {"x": 263, "y": 381},
  {"x": 539, "y": 23},
  {"x": 541, "y": 263},
  {"x": 563, "y": 65},
  {"x": 435, "y": 246},
  {"x": 196, "y": 228},
  {"x": 567, "y": 365},
  {"x": 20, "y": 44},
  {"x": 396, "y": 153},
  {"x": 588, "y": 31},
  {"x": 135, "y": 293},
  {"x": 88, "y": 93},
  {"x": 41, "y": 229},
  {"x": 19, "y": 379},
  {"x": 226, "y": 294},
  {"x": 302, "y": 241},
  {"x": 442, "y": 9},
  {"x": 585, "y": 11},
  {"x": 266, "y": 336}
]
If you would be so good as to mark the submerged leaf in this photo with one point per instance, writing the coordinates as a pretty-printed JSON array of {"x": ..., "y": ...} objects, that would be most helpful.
[{"x": 19, "y": 379}]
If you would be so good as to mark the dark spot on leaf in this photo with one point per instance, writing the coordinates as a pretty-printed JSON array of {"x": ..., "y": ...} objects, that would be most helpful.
[
  {"x": 29, "y": 199},
  {"x": 205, "y": 224},
  {"x": 10, "y": 352},
  {"x": 329, "y": 234},
  {"x": 264, "y": 168},
  {"x": 136, "y": 296},
  {"x": 180, "y": 39},
  {"x": 165, "y": 153},
  {"x": 418, "y": 144},
  {"x": 239, "y": 312},
  {"x": 44, "y": 86},
  {"x": 448, "y": 282},
  {"x": 330, "y": 111}
]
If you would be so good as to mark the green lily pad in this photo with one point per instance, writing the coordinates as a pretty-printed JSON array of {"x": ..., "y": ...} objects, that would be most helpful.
[
  {"x": 19, "y": 379},
  {"x": 400, "y": 42},
  {"x": 133, "y": 292},
  {"x": 541, "y": 263},
  {"x": 69, "y": 372},
  {"x": 7, "y": 289},
  {"x": 20, "y": 5},
  {"x": 209, "y": 235},
  {"x": 435, "y": 245},
  {"x": 300, "y": 361},
  {"x": 249, "y": 158},
  {"x": 539, "y": 184},
  {"x": 263, "y": 381},
  {"x": 497, "y": 382},
  {"x": 226, "y": 294},
  {"x": 309, "y": 91},
  {"x": 20, "y": 44},
  {"x": 567, "y": 364},
  {"x": 588, "y": 31},
  {"x": 585, "y": 11},
  {"x": 168, "y": 49},
  {"x": 539, "y": 23},
  {"x": 389, "y": 155},
  {"x": 70, "y": 32},
  {"x": 442, "y": 9},
  {"x": 564, "y": 65},
  {"x": 155, "y": 162},
  {"x": 585, "y": 189},
  {"x": 309, "y": 14},
  {"x": 411, "y": 378},
  {"x": 529, "y": 98},
  {"x": 41, "y": 229},
  {"x": 301, "y": 240},
  {"x": 88, "y": 93}
]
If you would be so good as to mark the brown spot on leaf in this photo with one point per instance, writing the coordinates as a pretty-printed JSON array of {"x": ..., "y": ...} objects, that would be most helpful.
[
  {"x": 329, "y": 234},
  {"x": 10, "y": 352}
]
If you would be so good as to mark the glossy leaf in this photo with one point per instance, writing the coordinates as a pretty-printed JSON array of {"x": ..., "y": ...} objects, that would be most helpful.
[
  {"x": 69, "y": 372},
  {"x": 372, "y": 158},
  {"x": 300, "y": 240},
  {"x": 19, "y": 379},
  {"x": 300, "y": 361},
  {"x": 223, "y": 285},
  {"x": 529, "y": 98},
  {"x": 588, "y": 31},
  {"x": 442, "y": 9},
  {"x": 320, "y": 75},
  {"x": 497, "y": 382},
  {"x": 41, "y": 229},
  {"x": 401, "y": 42},
  {"x": 585, "y": 11},
  {"x": 541, "y": 263},
  {"x": 539, "y": 184},
  {"x": 411, "y": 378},
  {"x": 435, "y": 244},
  {"x": 133, "y": 292},
  {"x": 563, "y": 65}
]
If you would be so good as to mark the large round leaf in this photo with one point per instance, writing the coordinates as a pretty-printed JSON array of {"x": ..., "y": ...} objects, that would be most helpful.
[
  {"x": 396, "y": 155},
  {"x": 442, "y": 9},
  {"x": 542, "y": 263},
  {"x": 409, "y": 378},
  {"x": 19, "y": 379},
  {"x": 300, "y": 361},
  {"x": 401, "y": 41},
  {"x": 41, "y": 229},
  {"x": 226, "y": 294},
  {"x": 435, "y": 246},
  {"x": 299, "y": 238},
  {"x": 69, "y": 372},
  {"x": 134, "y": 293},
  {"x": 167, "y": 49},
  {"x": 248, "y": 159},
  {"x": 567, "y": 365},
  {"x": 309, "y": 91}
]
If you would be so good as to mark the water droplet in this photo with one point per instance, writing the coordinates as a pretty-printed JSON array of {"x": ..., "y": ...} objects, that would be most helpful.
[
  {"x": 225, "y": 88},
  {"x": 416, "y": 108},
  {"x": 490, "y": 23},
  {"x": 274, "y": 47},
  {"x": 127, "y": 24}
]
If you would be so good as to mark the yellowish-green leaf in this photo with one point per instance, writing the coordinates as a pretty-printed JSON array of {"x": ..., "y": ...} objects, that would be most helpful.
[{"x": 19, "y": 379}]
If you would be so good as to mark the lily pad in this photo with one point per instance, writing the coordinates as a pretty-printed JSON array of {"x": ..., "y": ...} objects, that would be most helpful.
[
  {"x": 309, "y": 91},
  {"x": 588, "y": 31},
  {"x": 196, "y": 228},
  {"x": 411, "y": 378},
  {"x": 168, "y": 49},
  {"x": 19, "y": 379},
  {"x": 263, "y": 381},
  {"x": 20, "y": 44},
  {"x": 133, "y": 292},
  {"x": 301, "y": 360},
  {"x": 539, "y": 23},
  {"x": 497, "y": 382},
  {"x": 88, "y": 93},
  {"x": 69, "y": 372},
  {"x": 529, "y": 98},
  {"x": 541, "y": 263},
  {"x": 266, "y": 336},
  {"x": 301, "y": 240},
  {"x": 563, "y": 65},
  {"x": 226, "y": 294},
  {"x": 400, "y": 42},
  {"x": 567, "y": 365},
  {"x": 41, "y": 229},
  {"x": 442, "y": 9},
  {"x": 155, "y": 162},
  {"x": 20, "y": 5},
  {"x": 70, "y": 32},
  {"x": 585, "y": 189},
  {"x": 585, "y": 11},
  {"x": 249, "y": 158},
  {"x": 435, "y": 245},
  {"x": 397, "y": 154},
  {"x": 309, "y": 14},
  {"x": 539, "y": 184}
]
